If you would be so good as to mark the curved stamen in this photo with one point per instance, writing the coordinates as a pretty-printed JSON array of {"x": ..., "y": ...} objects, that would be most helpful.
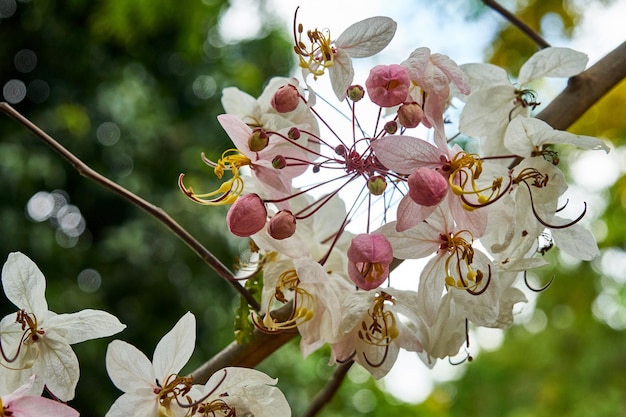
[
  {"x": 540, "y": 289},
  {"x": 545, "y": 223}
]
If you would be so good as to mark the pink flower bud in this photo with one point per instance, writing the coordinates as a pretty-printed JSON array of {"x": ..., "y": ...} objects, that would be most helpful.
[
  {"x": 391, "y": 127},
  {"x": 258, "y": 140},
  {"x": 279, "y": 162},
  {"x": 294, "y": 133},
  {"x": 369, "y": 257},
  {"x": 286, "y": 99},
  {"x": 427, "y": 187},
  {"x": 246, "y": 216},
  {"x": 388, "y": 85},
  {"x": 410, "y": 115},
  {"x": 282, "y": 225}
]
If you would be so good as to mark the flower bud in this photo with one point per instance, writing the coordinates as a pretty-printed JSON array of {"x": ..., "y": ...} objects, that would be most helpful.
[
  {"x": 246, "y": 216},
  {"x": 258, "y": 140},
  {"x": 294, "y": 133},
  {"x": 376, "y": 184},
  {"x": 391, "y": 127},
  {"x": 286, "y": 99},
  {"x": 282, "y": 225},
  {"x": 279, "y": 162},
  {"x": 369, "y": 257},
  {"x": 427, "y": 187},
  {"x": 356, "y": 92},
  {"x": 410, "y": 115},
  {"x": 341, "y": 150}
]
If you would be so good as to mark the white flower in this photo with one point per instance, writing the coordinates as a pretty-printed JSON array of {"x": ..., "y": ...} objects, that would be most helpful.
[
  {"x": 247, "y": 391},
  {"x": 152, "y": 388},
  {"x": 23, "y": 403},
  {"x": 494, "y": 101},
  {"x": 42, "y": 338},
  {"x": 360, "y": 40},
  {"x": 375, "y": 325},
  {"x": 528, "y": 136}
]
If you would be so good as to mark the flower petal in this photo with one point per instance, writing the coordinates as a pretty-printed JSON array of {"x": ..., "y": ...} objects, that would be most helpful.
[
  {"x": 84, "y": 325},
  {"x": 552, "y": 62},
  {"x": 404, "y": 154},
  {"x": 341, "y": 74},
  {"x": 24, "y": 284},
  {"x": 129, "y": 369},
  {"x": 57, "y": 365},
  {"x": 175, "y": 348},
  {"x": 31, "y": 406},
  {"x": 367, "y": 37}
]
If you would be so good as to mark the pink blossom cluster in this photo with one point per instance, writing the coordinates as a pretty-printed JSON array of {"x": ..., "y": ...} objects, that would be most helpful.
[{"x": 478, "y": 216}]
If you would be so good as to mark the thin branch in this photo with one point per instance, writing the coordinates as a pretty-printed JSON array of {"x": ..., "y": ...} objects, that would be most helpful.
[
  {"x": 527, "y": 30},
  {"x": 156, "y": 212},
  {"x": 329, "y": 390}
]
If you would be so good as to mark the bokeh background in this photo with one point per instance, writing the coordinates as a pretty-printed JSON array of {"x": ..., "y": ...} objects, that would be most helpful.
[{"x": 133, "y": 88}]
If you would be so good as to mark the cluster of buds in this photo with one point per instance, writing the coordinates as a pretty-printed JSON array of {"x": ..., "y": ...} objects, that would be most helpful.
[{"x": 423, "y": 197}]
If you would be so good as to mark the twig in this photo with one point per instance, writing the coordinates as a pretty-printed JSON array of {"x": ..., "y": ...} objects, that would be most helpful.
[
  {"x": 329, "y": 390},
  {"x": 527, "y": 30},
  {"x": 156, "y": 212}
]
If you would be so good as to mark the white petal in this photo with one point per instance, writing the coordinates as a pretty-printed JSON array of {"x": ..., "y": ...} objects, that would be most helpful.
[
  {"x": 487, "y": 111},
  {"x": 84, "y": 325},
  {"x": 525, "y": 135},
  {"x": 415, "y": 243},
  {"x": 576, "y": 241},
  {"x": 341, "y": 73},
  {"x": 552, "y": 62},
  {"x": 259, "y": 400},
  {"x": 24, "y": 284},
  {"x": 133, "y": 405},
  {"x": 485, "y": 76},
  {"x": 367, "y": 37},
  {"x": 129, "y": 369},
  {"x": 57, "y": 366},
  {"x": 175, "y": 348},
  {"x": 430, "y": 290},
  {"x": 226, "y": 379}
]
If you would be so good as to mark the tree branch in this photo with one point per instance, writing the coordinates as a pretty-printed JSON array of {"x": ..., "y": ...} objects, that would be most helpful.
[
  {"x": 329, "y": 390},
  {"x": 156, "y": 212},
  {"x": 527, "y": 30}
]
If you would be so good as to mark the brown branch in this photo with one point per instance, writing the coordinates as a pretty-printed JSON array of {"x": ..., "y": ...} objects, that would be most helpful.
[
  {"x": 156, "y": 212},
  {"x": 527, "y": 30},
  {"x": 329, "y": 390}
]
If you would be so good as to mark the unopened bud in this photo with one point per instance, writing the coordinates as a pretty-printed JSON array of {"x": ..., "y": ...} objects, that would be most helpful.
[
  {"x": 427, "y": 187},
  {"x": 391, "y": 127},
  {"x": 279, "y": 162},
  {"x": 355, "y": 92},
  {"x": 246, "y": 216},
  {"x": 282, "y": 225},
  {"x": 376, "y": 184},
  {"x": 341, "y": 150},
  {"x": 286, "y": 99},
  {"x": 294, "y": 133},
  {"x": 258, "y": 140},
  {"x": 410, "y": 115}
]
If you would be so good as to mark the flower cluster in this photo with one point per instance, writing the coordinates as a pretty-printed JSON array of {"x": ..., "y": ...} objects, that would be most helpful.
[
  {"x": 480, "y": 216},
  {"x": 36, "y": 354}
]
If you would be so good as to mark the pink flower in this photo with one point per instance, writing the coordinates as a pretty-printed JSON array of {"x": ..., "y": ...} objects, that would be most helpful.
[
  {"x": 246, "y": 216},
  {"x": 388, "y": 85},
  {"x": 21, "y": 403},
  {"x": 427, "y": 186},
  {"x": 369, "y": 257}
]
